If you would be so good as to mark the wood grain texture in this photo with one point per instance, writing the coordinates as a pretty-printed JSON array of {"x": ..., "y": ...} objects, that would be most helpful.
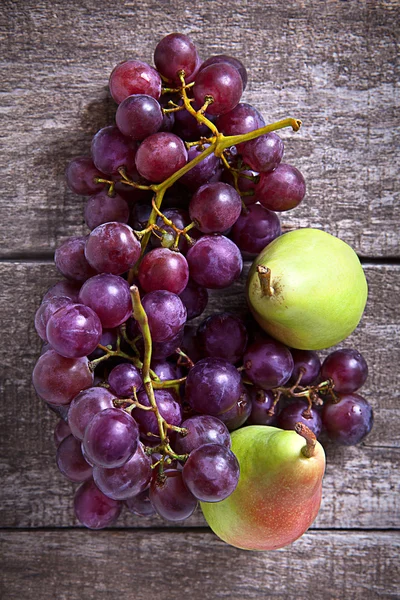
[
  {"x": 360, "y": 483},
  {"x": 333, "y": 64},
  {"x": 139, "y": 565}
]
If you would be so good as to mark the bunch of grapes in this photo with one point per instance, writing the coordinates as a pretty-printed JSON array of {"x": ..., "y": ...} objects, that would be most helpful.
[{"x": 187, "y": 183}]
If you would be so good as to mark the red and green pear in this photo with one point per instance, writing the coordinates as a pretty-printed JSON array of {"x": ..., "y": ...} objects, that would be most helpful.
[{"x": 279, "y": 491}]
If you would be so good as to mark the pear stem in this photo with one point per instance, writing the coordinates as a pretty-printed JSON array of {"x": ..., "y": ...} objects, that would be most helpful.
[
  {"x": 309, "y": 449},
  {"x": 264, "y": 275}
]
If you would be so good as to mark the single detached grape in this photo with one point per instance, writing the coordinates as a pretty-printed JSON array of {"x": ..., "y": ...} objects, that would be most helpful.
[
  {"x": 111, "y": 150},
  {"x": 163, "y": 269},
  {"x": 255, "y": 229},
  {"x": 202, "y": 429},
  {"x": 268, "y": 363},
  {"x": 166, "y": 314},
  {"x": 102, "y": 208},
  {"x": 348, "y": 421},
  {"x": 309, "y": 361},
  {"x": 123, "y": 378},
  {"x": 112, "y": 248},
  {"x": 223, "y": 83},
  {"x": 61, "y": 431},
  {"x": 347, "y": 368},
  {"x": 111, "y": 438},
  {"x": 74, "y": 330},
  {"x": 81, "y": 174},
  {"x": 215, "y": 207},
  {"x": 281, "y": 189},
  {"x": 109, "y": 296},
  {"x": 195, "y": 299},
  {"x": 44, "y": 312},
  {"x": 214, "y": 262},
  {"x": 224, "y": 58},
  {"x": 297, "y": 412},
  {"x": 174, "y": 53},
  {"x": 140, "y": 505},
  {"x": 211, "y": 472},
  {"x": 71, "y": 462},
  {"x": 71, "y": 261},
  {"x": 93, "y": 508},
  {"x": 139, "y": 116},
  {"x": 160, "y": 155},
  {"x": 126, "y": 481},
  {"x": 213, "y": 386},
  {"x": 261, "y": 404},
  {"x": 134, "y": 77},
  {"x": 58, "y": 380},
  {"x": 170, "y": 496},
  {"x": 85, "y": 406},
  {"x": 223, "y": 335}
]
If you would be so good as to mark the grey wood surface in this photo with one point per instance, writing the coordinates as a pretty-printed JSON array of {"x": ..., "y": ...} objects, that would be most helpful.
[{"x": 334, "y": 64}]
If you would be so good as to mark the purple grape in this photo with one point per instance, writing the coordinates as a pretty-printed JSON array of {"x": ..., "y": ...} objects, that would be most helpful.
[
  {"x": 139, "y": 116},
  {"x": 166, "y": 314},
  {"x": 85, "y": 406},
  {"x": 171, "y": 498},
  {"x": 126, "y": 481},
  {"x": 57, "y": 379},
  {"x": 61, "y": 431},
  {"x": 221, "y": 81},
  {"x": 264, "y": 153},
  {"x": 163, "y": 269},
  {"x": 140, "y": 216},
  {"x": 268, "y": 363},
  {"x": 103, "y": 208},
  {"x": 174, "y": 53},
  {"x": 236, "y": 416},
  {"x": 111, "y": 438},
  {"x": 44, "y": 312},
  {"x": 180, "y": 219},
  {"x": 261, "y": 403},
  {"x": 347, "y": 368},
  {"x": 349, "y": 420},
  {"x": 255, "y": 229},
  {"x": 213, "y": 386},
  {"x": 223, "y": 335},
  {"x": 112, "y": 151},
  {"x": 202, "y": 429},
  {"x": 164, "y": 370},
  {"x": 224, "y": 58},
  {"x": 160, "y": 155},
  {"x": 188, "y": 128},
  {"x": 168, "y": 117},
  {"x": 215, "y": 207},
  {"x": 140, "y": 505},
  {"x": 242, "y": 119},
  {"x": 109, "y": 296},
  {"x": 123, "y": 378},
  {"x": 195, "y": 299},
  {"x": 112, "y": 248},
  {"x": 162, "y": 350},
  {"x": 74, "y": 330},
  {"x": 168, "y": 408},
  {"x": 202, "y": 172},
  {"x": 81, "y": 174},
  {"x": 93, "y": 509},
  {"x": 134, "y": 77},
  {"x": 108, "y": 338},
  {"x": 71, "y": 261},
  {"x": 244, "y": 184},
  {"x": 211, "y": 472},
  {"x": 71, "y": 462},
  {"x": 308, "y": 360},
  {"x": 295, "y": 413},
  {"x": 214, "y": 262},
  {"x": 281, "y": 189},
  {"x": 67, "y": 289}
]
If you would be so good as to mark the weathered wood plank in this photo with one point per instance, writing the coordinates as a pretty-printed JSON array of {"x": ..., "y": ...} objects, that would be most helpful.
[
  {"x": 361, "y": 482},
  {"x": 332, "y": 64},
  {"x": 114, "y": 564}
]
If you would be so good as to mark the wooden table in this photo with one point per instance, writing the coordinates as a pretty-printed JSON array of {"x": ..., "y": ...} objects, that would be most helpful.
[{"x": 334, "y": 65}]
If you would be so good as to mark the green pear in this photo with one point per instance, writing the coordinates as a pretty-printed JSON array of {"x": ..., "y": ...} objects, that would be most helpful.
[
  {"x": 307, "y": 289},
  {"x": 279, "y": 490}
]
